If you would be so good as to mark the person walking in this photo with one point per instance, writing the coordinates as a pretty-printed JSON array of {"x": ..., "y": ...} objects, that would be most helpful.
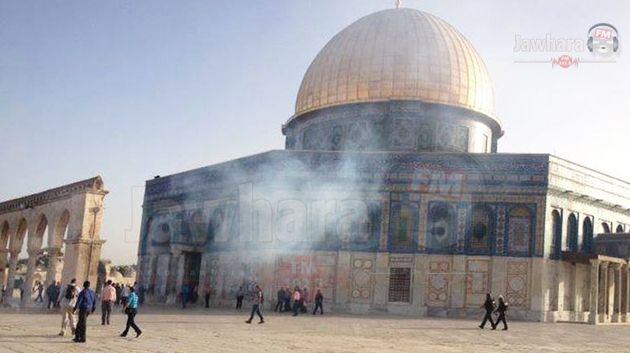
[
  {"x": 207, "y": 294},
  {"x": 259, "y": 299},
  {"x": 319, "y": 302},
  {"x": 297, "y": 297},
  {"x": 280, "y": 299},
  {"x": 39, "y": 288},
  {"x": 67, "y": 304},
  {"x": 132, "y": 310},
  {"x": 124, "y": 295},
  {"x": 501, "y": 309},
  {"x": 58, "y": 291},
  {"x": 239, "y": 298},
  {"x": 86, "y": 305},
  {"x": 24, "y": 288},
  {"x": 52, "y": 292},
  {"x": 305, "y": 300},
  {"x": 108, "y": 297},
  {"x": 118, "y": 293},
  {"x": 287, "y": 299},
  {"x": 489, "y": 306},
  {"x": 185, "y": 295}
]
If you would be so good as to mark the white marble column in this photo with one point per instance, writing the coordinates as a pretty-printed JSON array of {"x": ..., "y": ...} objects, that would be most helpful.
[
  {"x": 8, "y": 296},
  {"x": 610, "y": 309},
  {"x": 179, "y": 274},
  {"x": 149, "y": 280},
  {"x": 594, "y": 292},
  {"x": 30, "y": 272},
  {"x": 53, "y": 263},
  {"x": 623, "y": 309},
  {"x": 603, "y": 290},
  {"x": 617, "y": 306},
  {"x": 4, "y": 253},
  {"x": 172, "y": 288}
]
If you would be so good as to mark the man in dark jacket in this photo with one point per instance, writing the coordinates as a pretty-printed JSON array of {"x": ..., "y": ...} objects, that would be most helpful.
[
  {"x": 52, "y": 292},
  {"x": 118, "y": 293},
  {"x": 501, "y": 309},
  {"x": 86, "y": 304},
  {"x": 239, "y": 298},
  {"x": 280, "y": 302},
  {"x": 489, "y": 306},
  {"x": 319, "y": 302}
]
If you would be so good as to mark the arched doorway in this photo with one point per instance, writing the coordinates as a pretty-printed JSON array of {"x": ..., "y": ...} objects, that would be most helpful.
[
  {"x": 441, "y": 231},
  {"x": 480, "y": 232},
  {"x": 37, "y": 259},
  {"x": 56, "y": 247},
  {"x": 16, "y": 285}
]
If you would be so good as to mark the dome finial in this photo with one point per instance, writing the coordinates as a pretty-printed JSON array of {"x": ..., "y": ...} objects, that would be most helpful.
[{"x": 398, "y": 3}]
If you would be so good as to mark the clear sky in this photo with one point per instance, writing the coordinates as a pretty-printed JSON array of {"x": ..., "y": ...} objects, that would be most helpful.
[{"x": 132, "y": 89}]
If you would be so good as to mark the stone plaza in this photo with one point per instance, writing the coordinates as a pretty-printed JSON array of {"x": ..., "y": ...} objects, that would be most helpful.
[{"x": 174, "y": 330}]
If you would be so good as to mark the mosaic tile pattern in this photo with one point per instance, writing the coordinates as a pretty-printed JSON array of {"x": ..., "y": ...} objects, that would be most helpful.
[
  {"x": 477, "y": 281},
  {"x": 362, "y": 278},
  {"x": 517, "y": 284},
  {"x": 439, "y": 281}
]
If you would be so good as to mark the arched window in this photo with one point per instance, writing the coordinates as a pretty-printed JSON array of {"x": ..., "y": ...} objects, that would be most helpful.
[
  {"x": 556, "y": 228},
  {"x": 481, "y": 230},
  {"x": 215, "y": 225},
  {"x": 619, "y": 228},
  {"x": 198, "y": 229},
  {"x": 19, "y": 242},
  {"x": 519, "y": 231},
  {"x": 403, "y": 225},
  {"x": 441, "y": 230},
  {"x": 605, "y": 227},
  {"x": 39, "y": 240},
  {"x": 572, "y": 233},
  {"x": 587, "y": 230}
]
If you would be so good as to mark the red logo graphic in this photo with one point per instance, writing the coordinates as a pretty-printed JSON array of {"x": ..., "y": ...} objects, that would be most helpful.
[
  {"x": 565, "y": 61},
  {"x": 603, "y": 33}
]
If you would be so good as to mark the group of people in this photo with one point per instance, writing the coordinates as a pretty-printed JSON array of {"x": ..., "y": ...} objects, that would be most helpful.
[
  {"x": 84, "y": 302},
  {"x": 53, "y": 292},
  {"x": 189, "y": 295},
  {"x": 296, "y": 301},
  {"x": 77, "y": 304},
  {"x": 490, "y": 306},
  {"x": 53, "y": 296},
  {"x": 287, "y": 301}
]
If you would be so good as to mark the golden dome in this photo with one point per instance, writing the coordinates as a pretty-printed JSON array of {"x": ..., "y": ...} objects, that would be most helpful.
[{"x": 397, "y": 54}]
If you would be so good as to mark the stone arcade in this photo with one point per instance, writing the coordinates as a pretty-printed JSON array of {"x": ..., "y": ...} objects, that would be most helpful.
[
  {"x": 391, "y": 197},
  {"x": 69, "y": 217}
]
